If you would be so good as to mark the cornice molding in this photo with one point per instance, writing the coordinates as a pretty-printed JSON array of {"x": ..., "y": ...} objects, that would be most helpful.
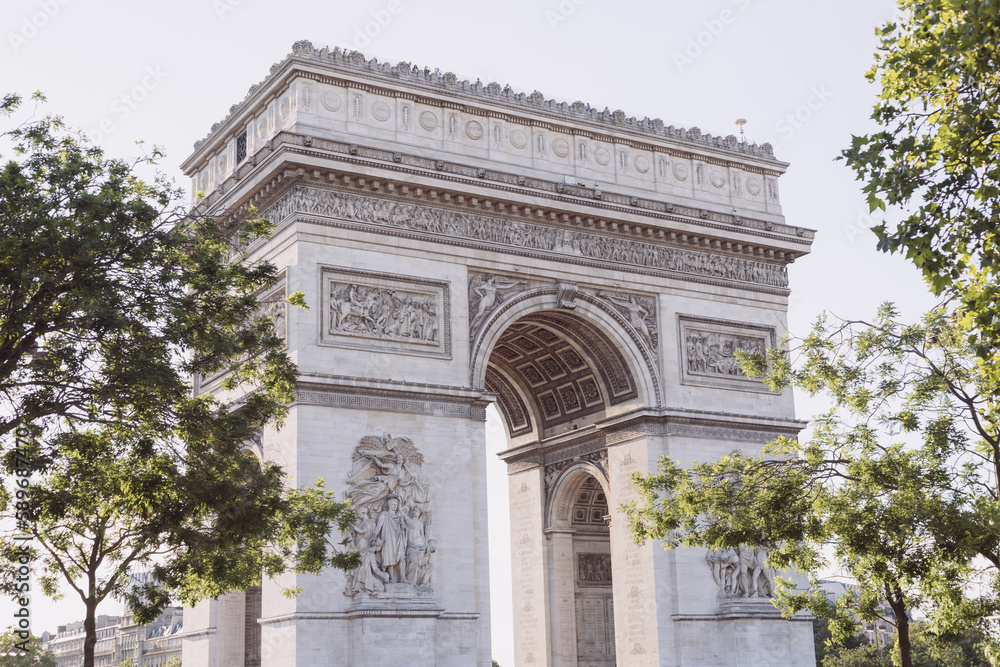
[
  {"x": 412, "y": 400},
  {"x": 693, "y": 424},
  {"x": 304, "y": 148}
]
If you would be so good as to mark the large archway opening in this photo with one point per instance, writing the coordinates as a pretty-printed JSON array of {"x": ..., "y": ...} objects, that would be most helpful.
[{"x": 557, "y": 374}]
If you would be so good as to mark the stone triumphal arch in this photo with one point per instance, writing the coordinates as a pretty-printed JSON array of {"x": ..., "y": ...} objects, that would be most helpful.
[{"x": 462, "y": 244}]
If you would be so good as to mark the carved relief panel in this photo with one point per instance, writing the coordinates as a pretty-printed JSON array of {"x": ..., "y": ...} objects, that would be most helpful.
[
  {"x": 385, "y": 312},
  {"x": 742, "y": 572},
  {"x": 486, "y": 292},
  {"x": 273, "y": 305},
  {"x": 393, "y": 523},
  {"x": 593, "y": 568},
  {"x": 640, "y": 312},
  {"x": 515, "y": 235},
  {"x": 709, "y": 347}
]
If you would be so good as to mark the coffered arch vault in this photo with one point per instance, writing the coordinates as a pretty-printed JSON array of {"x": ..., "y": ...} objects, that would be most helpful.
[{"x": 556, "y": 368}]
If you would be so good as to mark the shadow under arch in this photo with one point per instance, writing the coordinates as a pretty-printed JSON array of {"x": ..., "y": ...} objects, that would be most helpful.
[{"x": 530, "y": 398}]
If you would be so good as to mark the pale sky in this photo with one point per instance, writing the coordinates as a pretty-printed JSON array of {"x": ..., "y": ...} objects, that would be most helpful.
[{"x": 164, "y": 72}]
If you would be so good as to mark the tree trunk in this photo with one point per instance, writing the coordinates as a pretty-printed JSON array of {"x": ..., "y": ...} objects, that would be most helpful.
[
  {"x": 902, "y": 632},
  {"x": 90, "y": 633}
]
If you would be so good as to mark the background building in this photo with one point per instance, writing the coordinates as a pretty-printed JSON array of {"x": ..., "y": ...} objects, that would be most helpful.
[{"x": 120, "y": 638}]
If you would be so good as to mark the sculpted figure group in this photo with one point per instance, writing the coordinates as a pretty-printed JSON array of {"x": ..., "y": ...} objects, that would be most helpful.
[
  {"x": 742, "y": 572},
  {"x": 716, "y": 353},
  {"x": 382, "y": 313},
  {"x": 515, "y": 233},
  {"x": 390, "y": 499}
]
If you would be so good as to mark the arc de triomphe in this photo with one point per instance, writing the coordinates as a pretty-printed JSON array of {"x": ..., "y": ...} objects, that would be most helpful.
[{"x": 593, "y": 275}]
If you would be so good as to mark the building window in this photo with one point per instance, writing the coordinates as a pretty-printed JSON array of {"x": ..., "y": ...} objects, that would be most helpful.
[{"x": 241, "y": 147}]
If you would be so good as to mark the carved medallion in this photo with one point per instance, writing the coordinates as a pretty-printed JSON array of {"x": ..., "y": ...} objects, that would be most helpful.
[
  {"x": 284, "y": 106},
  {"x": 680, "y": 171},
  {"x": 602, "y": 155},
  {"x": 474, "y": 130},
  {"x": 381, "y": 111},
  {"x": 379, "y": 311},
  {"x": 428, "y": 120},
  {"x": 717, "y": 178},
  {"x": 518, "y": 139},
  {"x": 560, "y": 147},
  {"x": 641, "y": 164},
  {"x": 262, "y": 127},
  {"x": 753, "y": 186},
  {"x": 742, "y": 572},
  {"x": 390, "y": 497},
  {"x": 331, "y": 101}
]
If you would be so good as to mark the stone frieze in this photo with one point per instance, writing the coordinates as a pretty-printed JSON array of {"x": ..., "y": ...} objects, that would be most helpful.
[{"x": 515, "y": 234}]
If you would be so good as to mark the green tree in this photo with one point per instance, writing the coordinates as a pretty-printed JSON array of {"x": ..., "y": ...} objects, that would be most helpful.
[
  {"x": 865, "y": 655},
  {"x": 112, "y": 300},
  {"x": 929, "y": 650},
  {"x": 935, "y": 154},
  {"x": 825, "y": 643},
  {"x": 891, "y": 481},
  {"x": 13, "y": 653},
  {"x": 952, "y": 650}
]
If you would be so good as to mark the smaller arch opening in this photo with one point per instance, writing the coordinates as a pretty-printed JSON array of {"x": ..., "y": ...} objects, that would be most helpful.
[{"x": 580, "y": 542}]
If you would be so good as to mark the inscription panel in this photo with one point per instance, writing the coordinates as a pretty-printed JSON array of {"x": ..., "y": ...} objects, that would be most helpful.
[
  {"x": 595, "y": 630},
  {"x": 385, "y": 312}
]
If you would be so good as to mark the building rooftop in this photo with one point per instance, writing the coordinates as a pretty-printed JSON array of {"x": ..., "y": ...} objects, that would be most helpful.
[{"x": 493, "y": 92}]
